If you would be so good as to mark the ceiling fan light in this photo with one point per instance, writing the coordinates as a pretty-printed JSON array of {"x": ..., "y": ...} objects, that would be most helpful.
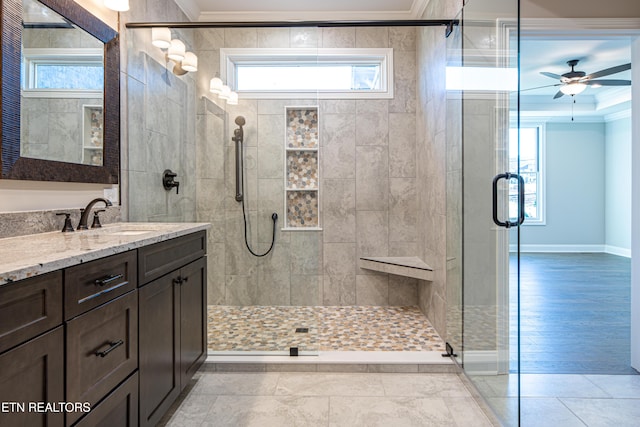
[{"x": 573, "y": 88}]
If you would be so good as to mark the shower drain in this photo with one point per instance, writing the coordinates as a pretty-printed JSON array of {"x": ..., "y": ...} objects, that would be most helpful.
[{"x": 302, "y": 330}]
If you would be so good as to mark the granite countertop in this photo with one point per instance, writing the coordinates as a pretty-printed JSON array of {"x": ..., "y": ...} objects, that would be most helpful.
[{"x": 27, "y": 256}]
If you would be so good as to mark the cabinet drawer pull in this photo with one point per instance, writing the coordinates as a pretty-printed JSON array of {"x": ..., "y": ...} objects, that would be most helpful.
[
  {"x": 108, "y": 279},
  {"x": 112, "y": 346},
  {"x": 178, "y": 280},
  {"x": 102, "y": 292}
]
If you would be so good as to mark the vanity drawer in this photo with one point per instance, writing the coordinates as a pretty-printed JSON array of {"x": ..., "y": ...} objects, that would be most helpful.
[
  {"x": 119, "y": 409},
  {"x": 29, "y": 307},
  {"x": 102, "y": 350},
  {"x": 88, "y": 285},
  {"x": 161, "y": 258}
]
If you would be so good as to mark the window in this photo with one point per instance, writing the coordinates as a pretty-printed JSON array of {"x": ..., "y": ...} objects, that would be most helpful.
[
  {"x": 63, "y": 73},
  {"x": 315, "y": 73},
  {"x": 531, "y": 169}
]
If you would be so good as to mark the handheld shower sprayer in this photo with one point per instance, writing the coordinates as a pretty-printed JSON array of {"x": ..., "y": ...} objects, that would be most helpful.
[
  {"x": 238, "y": 134},
  {"x": 238, "y": 138}
]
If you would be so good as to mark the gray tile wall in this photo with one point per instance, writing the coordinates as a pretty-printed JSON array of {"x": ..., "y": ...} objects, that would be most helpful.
[
  {"x": 159, "y": 130},
  {"x": 368, "y": 181},
  {"x": 433, "y": 143}
]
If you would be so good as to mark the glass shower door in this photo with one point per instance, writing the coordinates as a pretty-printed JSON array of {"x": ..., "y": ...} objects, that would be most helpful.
[{"x": 491, "y": 203}]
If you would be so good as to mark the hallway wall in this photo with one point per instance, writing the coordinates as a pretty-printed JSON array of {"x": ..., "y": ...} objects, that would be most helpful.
[{"x": 618, "y": 185}]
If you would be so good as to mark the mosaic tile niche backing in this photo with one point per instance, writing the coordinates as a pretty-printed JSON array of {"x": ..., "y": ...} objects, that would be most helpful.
[
  {"x": 302, "y": 170},
  {"x": 302, "y": 128},
  {"x": 302, "y": 209},
  {"x": 302, "y": 174}
]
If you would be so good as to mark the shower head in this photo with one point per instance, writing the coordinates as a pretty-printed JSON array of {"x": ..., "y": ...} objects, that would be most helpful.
[{"x": 240, "y": 121}]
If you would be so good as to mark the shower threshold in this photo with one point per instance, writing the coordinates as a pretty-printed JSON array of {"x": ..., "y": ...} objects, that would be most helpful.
[{"x": 343, "y": 338}]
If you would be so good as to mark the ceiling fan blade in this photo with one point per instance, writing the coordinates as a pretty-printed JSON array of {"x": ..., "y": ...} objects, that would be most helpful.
[
  {"x": 540, "y": 87},
  {"x": 552, "y": 75},
  {"x": 609, "y": 82},
  {"x": 558, "y": 95},
  {"x": 608, "y": 71}
]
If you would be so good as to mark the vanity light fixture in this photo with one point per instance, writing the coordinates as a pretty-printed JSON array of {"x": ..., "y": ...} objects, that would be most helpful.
[
  {"x": 233, "y": 99},
  {"x": 176, "y": 50},
  {"x": 226, "y": 92},
  {"x": 161, "y": 37},
  {"x": 190, "y": 62},
  {"x": 215, "y": 85},
  {"x": 117, "y": 5},
  {"x": 184, "y": 61}
]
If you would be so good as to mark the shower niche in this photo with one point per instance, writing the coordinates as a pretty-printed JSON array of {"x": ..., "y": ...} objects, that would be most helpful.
[{"x": 302, "y": 172}]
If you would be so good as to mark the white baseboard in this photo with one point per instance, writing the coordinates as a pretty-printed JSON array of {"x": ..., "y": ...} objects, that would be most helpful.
[
  {"x": 614, "y": 250},
  {"x": 559, "y": 248}
]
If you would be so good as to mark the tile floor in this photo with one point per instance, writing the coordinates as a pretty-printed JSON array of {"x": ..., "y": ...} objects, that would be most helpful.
[
  {"x": 349, "y": 328},
  {"x": 565, "y": 399},
  {"x": 348, "y": 399},
  {"x": 325, "y": 399}
]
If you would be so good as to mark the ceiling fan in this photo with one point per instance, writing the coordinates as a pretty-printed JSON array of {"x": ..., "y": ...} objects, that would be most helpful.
[{"x": 574, "y": 82}]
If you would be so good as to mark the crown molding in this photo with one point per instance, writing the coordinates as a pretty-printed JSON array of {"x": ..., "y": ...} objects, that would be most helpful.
[
  {"x": 617, "y": 116},
  {"x": 579, "y": 27}
]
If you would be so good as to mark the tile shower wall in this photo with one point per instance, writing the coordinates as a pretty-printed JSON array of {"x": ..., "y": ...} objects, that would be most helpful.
[
  {"x": 433, "y": 147},
  {"x": 159, "y": 130},
  {"x": 367, "y": 190}
]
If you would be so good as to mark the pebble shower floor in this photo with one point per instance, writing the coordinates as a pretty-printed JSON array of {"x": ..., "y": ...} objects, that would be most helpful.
[{"x": 344, "y": 328}]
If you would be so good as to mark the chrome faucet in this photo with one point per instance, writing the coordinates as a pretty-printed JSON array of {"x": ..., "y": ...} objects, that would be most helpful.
[{"x": 84, "y": 213}]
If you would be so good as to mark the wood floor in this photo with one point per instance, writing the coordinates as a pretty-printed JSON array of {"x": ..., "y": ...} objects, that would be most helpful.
[{"x": 575, "y": 313}]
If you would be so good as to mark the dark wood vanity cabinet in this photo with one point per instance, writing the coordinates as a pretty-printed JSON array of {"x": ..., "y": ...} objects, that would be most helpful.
[
  {"x": 33, "y": 372},
  {"x": 126, "y": 338},
  {"x": 32, "y": 349},
  {"x": 173, "y": 319}
]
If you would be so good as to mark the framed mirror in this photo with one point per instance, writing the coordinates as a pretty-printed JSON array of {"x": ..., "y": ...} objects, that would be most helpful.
[{"x": 60, "y": 94}]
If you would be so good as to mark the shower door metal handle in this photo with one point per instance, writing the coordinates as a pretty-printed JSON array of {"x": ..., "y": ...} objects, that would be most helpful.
[{"x": 508, "y": 176}]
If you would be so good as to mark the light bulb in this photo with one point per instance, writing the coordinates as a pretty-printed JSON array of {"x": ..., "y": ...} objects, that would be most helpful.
[
  {"x": 226, "y": 91},
  {"x": 161, "y": 37},
  {"x": 573, "y": 88},
  {"x": 233, "y": 99},
  {"x": 190, "y": 62},
  {"x": 215, "y": 86},
  {"x": 176, "y": 50}
]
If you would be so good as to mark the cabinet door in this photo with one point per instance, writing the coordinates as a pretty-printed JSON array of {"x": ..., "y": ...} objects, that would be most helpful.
[
  {"x": 119, "y": 409},
  {"x": 159, "y": 347},
  {"x": 33, "y": 372},
  {"x": 193, "y": 319}
]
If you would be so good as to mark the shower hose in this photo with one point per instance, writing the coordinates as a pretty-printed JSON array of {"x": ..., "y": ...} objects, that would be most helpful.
[{"x": 274, "y": 218}]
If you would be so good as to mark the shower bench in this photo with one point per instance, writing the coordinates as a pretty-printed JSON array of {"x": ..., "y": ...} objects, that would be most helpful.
[{"x": 400, "y": 266}]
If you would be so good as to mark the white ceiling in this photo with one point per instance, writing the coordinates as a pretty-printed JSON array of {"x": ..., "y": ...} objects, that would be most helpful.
[{"x": 301, "y": 10}]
